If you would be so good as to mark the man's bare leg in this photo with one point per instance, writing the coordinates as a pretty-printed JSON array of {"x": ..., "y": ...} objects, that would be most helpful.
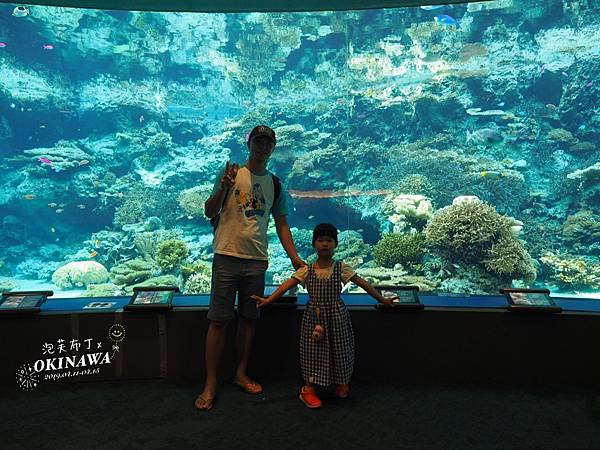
[
  {"x": 215, "y": 339},
  {"x": 244, "y": 340}
]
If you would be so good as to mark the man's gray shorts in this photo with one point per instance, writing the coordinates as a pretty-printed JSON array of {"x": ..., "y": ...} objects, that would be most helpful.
[{"x": 231, "y": 275}]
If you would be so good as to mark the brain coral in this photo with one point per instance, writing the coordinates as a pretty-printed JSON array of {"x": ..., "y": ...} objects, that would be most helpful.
[{"x": 79, "y": 274}]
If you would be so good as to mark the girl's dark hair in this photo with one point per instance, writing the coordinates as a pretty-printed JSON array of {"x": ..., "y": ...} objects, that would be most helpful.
[{"x": 325, "y": 229}]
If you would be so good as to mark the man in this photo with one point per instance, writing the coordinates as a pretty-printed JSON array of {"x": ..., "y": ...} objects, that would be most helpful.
[{"x": 241, "y": 202}]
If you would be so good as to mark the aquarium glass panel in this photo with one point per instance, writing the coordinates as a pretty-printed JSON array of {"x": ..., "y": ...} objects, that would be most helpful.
[{"x": 455, "y": 147}]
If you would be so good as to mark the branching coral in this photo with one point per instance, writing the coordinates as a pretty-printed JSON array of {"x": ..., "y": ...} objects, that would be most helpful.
[
  {"x": 509, "y": 259},
  {"x": 397, "y": 248},
  {"x": 407, "y": 211},
  {"x": 198, "y": 283},
  {"x": 582, "y": 230},
  {"x": 171, "y": 253},
  {"x": 466, "y": 231},
  {"x": 474, "y": 233},
  {"x": 572, "y": 272}
]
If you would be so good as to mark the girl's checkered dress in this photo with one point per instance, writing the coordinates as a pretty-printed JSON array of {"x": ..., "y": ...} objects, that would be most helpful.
[{"x": 330, "y": 360}]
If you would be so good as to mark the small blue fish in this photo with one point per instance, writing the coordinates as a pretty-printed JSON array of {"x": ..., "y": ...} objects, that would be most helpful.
[
  {"x": 581, "y": 127},
  {"x": 445, "y": 19}
]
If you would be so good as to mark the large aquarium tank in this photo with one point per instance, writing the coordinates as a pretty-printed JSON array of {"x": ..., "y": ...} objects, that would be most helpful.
[{"x": 456, "y": 147}]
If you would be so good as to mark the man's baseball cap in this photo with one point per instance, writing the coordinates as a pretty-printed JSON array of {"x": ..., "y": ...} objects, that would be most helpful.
[{"x": 262, "y": 130}]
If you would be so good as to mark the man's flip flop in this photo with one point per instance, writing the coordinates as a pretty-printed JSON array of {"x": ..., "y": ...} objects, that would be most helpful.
[
  {"x": 251, "y": 388},
  {"x": 204, "y": 404}
]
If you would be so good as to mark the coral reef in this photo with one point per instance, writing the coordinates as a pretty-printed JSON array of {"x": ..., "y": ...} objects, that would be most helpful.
[
  {"x": 399, "y": 248},
  {"x": 101, "y": 290},
  {"x": 162, "y": 281},
  {"x": 133, "y": 271},
  {"x": 582, "y": 231},
  {"x": 192, "y": 200},
  {"x": 472, "y": 232},
  {"x": 171, "y": 253},
  {"x": 198, "y": 283},
  {"x": 466, "y": 231},
  {"x": 408, "y": 211},
  {"x": 79, "y": 274},
  {"x": 572, "y": 273},
  {"x": 394, "y": 277}
]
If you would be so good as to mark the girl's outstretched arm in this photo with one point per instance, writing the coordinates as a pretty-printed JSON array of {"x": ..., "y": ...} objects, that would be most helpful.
[
  {"x": 372, "y": 291},
  {"x": 285, "y": 286}
]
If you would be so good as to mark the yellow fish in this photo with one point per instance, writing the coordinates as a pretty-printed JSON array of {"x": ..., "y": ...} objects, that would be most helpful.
[{"x": 93, "y": 254}]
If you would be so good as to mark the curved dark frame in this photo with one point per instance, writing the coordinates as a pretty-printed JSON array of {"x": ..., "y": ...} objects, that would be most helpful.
[{"x": 238, "y": 6}]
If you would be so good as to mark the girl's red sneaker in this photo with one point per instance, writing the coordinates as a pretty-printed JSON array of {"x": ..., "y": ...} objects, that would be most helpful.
[{"x": 309, "y": 397}]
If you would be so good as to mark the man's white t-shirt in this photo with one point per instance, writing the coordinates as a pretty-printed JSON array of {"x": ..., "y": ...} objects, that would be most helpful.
[{"x": 242, "y": 229}]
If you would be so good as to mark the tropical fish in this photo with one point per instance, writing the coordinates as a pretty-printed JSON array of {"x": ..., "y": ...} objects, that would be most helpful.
[
  {"x": 93, "y": 254},
  {"x": 484, "y": 136},
  {"x": 564, "y": 74},
  {"x": 97, "y": 243},
  {"x": 81, "y": 206},
  {"x": 491, "y": 174},
  {"x": 551, "y": 107},
  {"x": 58, "y": 211},
  {"x": 13, "y": 106},
  {"x": 52, "y": 205},
  {"x": 48, "y": 47},
  {"x": 141, "y": 119},
  {"x": 431, "y": 7},
  {"x": 44, "y": 160},
  {"x": 445, "y": 19},
  {"x": 29, "y": 196},
  {"x": 21, "y": 11},
  {"x": 2, "y": 44},
  {"x": 83, "y": 162},
  {"x": 53, "y": 230},
  {"x": 589, "y": 84}
]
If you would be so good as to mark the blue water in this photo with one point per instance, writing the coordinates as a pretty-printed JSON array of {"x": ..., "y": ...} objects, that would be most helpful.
[{"x": 135, "y": 113}]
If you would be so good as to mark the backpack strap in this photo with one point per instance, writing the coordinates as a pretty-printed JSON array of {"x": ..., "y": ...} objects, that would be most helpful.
[{"x": 276, "y": 187}]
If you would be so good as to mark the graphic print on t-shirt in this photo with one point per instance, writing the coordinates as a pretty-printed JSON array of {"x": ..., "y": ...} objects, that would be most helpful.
[{"x": 251, "y": 203}]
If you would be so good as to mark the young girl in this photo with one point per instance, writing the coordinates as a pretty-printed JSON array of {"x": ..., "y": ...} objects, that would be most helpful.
[{"x": 326, "y": 337}]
